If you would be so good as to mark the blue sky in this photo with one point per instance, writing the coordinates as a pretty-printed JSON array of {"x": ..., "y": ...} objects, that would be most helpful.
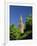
[{"x": 17, "y": 11}]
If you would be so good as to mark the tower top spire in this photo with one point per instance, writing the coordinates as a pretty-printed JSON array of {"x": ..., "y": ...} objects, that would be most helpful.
[{"x": 20, "y": 18}]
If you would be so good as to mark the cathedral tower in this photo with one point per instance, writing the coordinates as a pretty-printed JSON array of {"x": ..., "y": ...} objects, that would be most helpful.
[{"x": 21, "y": 25}]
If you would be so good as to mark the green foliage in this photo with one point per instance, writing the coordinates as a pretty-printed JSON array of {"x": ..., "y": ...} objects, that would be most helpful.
[
  {"x": 29, "y": 23},
  {"x": 15, "y": 33}
]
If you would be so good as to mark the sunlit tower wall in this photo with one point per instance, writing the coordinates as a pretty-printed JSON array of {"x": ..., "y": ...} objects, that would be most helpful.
[{"x": 21, "y": 25}]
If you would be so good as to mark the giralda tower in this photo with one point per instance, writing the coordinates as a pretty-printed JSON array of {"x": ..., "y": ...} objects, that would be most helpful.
[{"x": 21, "y": 25}]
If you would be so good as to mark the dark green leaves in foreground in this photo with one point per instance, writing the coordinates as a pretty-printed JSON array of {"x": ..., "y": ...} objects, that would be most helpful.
[{"x": 15, "y": 33}]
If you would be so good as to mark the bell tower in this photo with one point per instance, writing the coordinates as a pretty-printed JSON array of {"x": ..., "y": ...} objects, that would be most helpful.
[{"x": 21, "y": 25}]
